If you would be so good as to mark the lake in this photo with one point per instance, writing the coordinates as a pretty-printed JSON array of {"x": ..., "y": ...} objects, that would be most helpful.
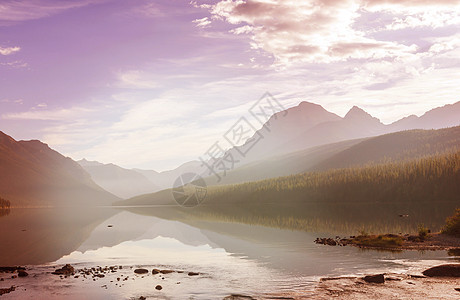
[{"x": 230, "y": 257}]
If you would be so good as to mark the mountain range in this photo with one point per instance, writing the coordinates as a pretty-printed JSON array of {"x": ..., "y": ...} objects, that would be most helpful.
[
  {"x": 316, "y": 126},
  {"x": 293, "y": 141},
  {"x": 393, "y": 148},
  {"x": 121, "y": 182},
  {"x": 303, "y": 138},
  {"x": 32, "y": 174}
]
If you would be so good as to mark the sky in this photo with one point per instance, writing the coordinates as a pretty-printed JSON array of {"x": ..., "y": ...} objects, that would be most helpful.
[{"x": 152, "y": 84}]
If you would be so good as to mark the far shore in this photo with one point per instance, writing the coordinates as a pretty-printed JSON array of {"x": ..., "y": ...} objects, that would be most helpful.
[{"x": 392, "y": 242}]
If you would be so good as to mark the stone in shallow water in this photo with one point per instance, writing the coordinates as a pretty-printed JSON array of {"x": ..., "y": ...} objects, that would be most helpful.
[
  {"x": 450, "y": 270},
  {"x": 7, "y": 290},
  {"x": 10, "y": 269},
  {"x": 238, "y": 297},
  {"x": 65, "y": 270},
  {"x": 379, "y": 278}
]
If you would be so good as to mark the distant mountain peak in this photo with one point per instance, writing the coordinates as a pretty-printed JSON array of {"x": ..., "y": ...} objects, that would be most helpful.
[
  {"x": 4, "y": 137},
  {"x": 88, "y": 163},
  {"x": 309, "y": 104},
  {"x": 357, "y": 113}
]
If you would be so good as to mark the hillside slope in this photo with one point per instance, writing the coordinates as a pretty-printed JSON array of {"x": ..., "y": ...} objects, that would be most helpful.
[
  {"x": 121, "y": 182},
  {"x": 398, "y": 146},
  {"x": 32, "y": 174},
  {"x": 393, "y": 147},
  {"x": 309, "y": 125},
  {"x": 298, "y": 139},
  {"x": 431, "y": 179}
]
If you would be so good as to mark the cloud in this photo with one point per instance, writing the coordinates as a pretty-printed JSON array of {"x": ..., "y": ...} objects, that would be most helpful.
[
  {"x": 12, "y": 11},
  {"x": 16, "y": 64},
  {"x": 445, "y": 44},
  {"x": 204, "y": 22},
  {"x": 61, "y": 114},
  {"x": 16, "y": 101},
  {"x": 9, "y": 50},
  {"x": 242, "y": 30},
  {"x": 136, "y": 79},
  {"x": 411, "y": 3},
  {"x": 310, "y": 31},
  {"x": 325, "y": 31},
  {"x": 147, "y": 10},
  {"x": 434, "y": 18}
]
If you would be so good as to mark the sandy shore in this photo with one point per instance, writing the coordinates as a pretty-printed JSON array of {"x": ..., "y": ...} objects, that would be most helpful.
[
  {"x": 396, "y": 286},
  {"x": 100, "y": 282}
]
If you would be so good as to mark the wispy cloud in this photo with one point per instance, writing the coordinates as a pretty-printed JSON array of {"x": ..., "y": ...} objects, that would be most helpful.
[
  {"x": 12, "y": 11},
  {"x": 324, "y": 31},
  {"x": 9, "y": 50},
  {"x": 203, "y": 22},
  {"x": 15, "y": 64},
  {"x": 136, "y": 79},
  {"x": 16, "y": 101},
  {"x": 36, "y": 113},
  {"x": 154, "y": 83}
]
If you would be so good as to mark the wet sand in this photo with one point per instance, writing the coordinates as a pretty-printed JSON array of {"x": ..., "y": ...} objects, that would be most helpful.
[
  {"x": 99, "y": 282},
  {"x": 396, "y": 286}
]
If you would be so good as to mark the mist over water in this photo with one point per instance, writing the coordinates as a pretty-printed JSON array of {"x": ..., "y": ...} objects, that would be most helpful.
[{"x": 232, "y": 256}]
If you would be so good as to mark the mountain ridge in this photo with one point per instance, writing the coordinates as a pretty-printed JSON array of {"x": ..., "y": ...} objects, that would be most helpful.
[{"x": 33, "y": 174}]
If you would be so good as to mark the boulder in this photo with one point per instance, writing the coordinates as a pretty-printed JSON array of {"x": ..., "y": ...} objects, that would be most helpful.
[
  {"x": 7, "y": 290},
  {"x": 141, "y": 271},
  {"x": 193, "y": 273},
  {"x": 10, "y": 269},
  {"x": 326, "y": 241},
  {"x": 155, "y": 271},
  {"x": 22, "y": 273},
  {"x": 159, "y": 287},
  {"x": 379, "y": 278},
  {"x": 450, "y": 270},
  {"x": 242, "y": 297},
  {"x": 65, "y": 270}
]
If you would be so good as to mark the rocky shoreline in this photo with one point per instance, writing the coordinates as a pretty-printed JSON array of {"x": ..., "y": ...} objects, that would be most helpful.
[
  {"x": 68, "y": 272},
  {"x": 442, "y": 280},
  {"x": 393, "y": 242},
  {"x": 439, "y": 282}
]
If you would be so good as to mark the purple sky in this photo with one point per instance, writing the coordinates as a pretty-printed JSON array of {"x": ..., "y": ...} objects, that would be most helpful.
[{"x": 153, "y": 84}]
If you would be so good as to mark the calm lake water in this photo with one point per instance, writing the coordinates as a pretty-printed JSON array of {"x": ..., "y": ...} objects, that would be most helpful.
[{"x": 231, "y": 258}]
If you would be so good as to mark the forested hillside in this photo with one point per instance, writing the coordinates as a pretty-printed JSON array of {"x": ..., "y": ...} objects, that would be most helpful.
[
  {"x": 343, "y": 200},
  {"x": 392, "y": 147},
  {"x": 433, "y": 178}
]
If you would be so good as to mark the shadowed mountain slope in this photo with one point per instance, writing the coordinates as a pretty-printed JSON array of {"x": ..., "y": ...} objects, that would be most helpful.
[
  {"x": 398, "y": 146},
  {"x": 32, "y": 174}
]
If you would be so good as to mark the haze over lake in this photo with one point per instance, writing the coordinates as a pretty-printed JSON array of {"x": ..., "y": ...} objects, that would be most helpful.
[{"x": 229, "y": 149}]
